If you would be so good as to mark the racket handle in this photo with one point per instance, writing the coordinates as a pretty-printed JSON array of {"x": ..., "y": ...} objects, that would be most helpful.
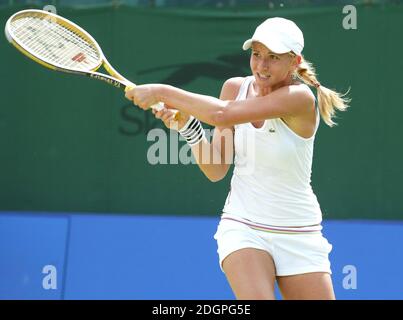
[{"x": 158, "y": 106}]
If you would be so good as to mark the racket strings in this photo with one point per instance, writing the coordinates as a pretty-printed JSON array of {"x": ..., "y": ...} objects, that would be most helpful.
[
  {"x": 69, "y": 44},
  {"x": 26, "y": 36},
  {"x": 36, "y": 35},
  {"x": 89, "y": 51},
  {"x": 31, "y": 37},
  {"x": 56, "y": 43},
  {"x": 83, "y": 44}
]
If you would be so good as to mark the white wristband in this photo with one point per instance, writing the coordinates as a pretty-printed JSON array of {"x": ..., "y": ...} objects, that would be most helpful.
[{"x": 192, "y": 131}]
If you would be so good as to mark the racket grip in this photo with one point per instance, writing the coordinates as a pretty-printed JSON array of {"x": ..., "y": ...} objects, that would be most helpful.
[{"x": 158, "y": 106}]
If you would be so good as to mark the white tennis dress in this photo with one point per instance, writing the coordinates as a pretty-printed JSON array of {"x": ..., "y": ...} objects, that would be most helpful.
[{"x": 271, "y": 183}]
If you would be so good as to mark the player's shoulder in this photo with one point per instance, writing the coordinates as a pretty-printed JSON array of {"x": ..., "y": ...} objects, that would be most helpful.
[
  {"x": 231, "y": 88},
  {"x": 302, "y": 95},
  {"x": 234, "y": 83},
  {"x": 303, "y": 91}
]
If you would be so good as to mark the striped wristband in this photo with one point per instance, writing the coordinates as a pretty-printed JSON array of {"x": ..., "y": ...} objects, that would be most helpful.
[{"x": 192, "y": 131}]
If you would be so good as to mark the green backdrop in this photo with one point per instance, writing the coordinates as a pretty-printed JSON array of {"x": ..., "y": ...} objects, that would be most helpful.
[{"x": 72, "y": 144}]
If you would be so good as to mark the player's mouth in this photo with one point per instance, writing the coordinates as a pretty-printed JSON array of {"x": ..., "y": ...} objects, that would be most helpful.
[{"x": 263, "y": 77}]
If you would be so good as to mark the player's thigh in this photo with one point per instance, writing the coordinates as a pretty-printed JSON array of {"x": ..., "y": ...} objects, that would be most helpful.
[
  {"x": 308, "y": 286},
  {"x": 250, "y": 273}
]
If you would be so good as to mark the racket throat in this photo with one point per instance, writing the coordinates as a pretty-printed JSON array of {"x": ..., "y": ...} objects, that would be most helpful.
[{"x": 112, "y": 81}]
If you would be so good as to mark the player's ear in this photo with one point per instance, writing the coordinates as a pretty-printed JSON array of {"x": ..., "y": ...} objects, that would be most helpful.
[{"x": 296, "y": 62}]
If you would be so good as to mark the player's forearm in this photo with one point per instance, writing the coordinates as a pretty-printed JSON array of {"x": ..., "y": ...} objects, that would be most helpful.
[
  {"x": 209, "y": 161},
  {"x": 205, "y": 108}
]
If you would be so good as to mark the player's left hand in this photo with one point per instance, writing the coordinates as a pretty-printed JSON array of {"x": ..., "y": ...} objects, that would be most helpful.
[{"x": 144, "y": 96}]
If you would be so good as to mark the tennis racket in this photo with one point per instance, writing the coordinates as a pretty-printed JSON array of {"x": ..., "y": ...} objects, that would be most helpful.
[{"x": 61, "y": 45}]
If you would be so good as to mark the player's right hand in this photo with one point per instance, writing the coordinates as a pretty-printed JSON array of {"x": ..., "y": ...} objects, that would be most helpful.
[{"x": 172, "y": 119}]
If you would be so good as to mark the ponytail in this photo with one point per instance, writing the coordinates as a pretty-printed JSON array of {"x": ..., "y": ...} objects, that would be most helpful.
[{"x": 328, "y": 100}]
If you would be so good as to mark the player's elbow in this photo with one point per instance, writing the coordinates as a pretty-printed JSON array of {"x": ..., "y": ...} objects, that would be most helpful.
[
  {"x": 216, "y": 172},
  {"x": 215, "y": 178},
  {"x": 220, "y": 118}
]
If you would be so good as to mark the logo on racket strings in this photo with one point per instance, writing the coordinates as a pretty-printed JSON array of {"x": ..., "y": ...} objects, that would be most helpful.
[{"x": 80, "y": 57}]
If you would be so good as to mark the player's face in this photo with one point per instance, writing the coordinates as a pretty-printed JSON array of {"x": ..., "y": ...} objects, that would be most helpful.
[{"x": 271, "y": 69}]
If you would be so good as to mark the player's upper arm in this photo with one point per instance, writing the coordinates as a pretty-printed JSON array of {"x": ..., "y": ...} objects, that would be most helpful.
[
  {"x": 229, "y": 91},
  {"x": 230, "y": 88},
  {"x": 223, "y": 137},
  {"x": 288, "y": 101}
]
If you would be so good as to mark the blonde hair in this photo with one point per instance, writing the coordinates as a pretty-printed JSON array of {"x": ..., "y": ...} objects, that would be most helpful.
[{"x": 328, "y": 100}]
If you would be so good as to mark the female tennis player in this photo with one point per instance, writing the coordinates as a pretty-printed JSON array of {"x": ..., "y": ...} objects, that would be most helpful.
[{"x": 270, "y": 228}]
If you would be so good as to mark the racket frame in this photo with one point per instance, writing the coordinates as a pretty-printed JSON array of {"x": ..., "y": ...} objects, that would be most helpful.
[{"x": 115, "y": 79}]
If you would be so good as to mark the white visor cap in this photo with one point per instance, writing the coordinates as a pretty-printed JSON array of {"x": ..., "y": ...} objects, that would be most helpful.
[{"x": 279, "y": 35}]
